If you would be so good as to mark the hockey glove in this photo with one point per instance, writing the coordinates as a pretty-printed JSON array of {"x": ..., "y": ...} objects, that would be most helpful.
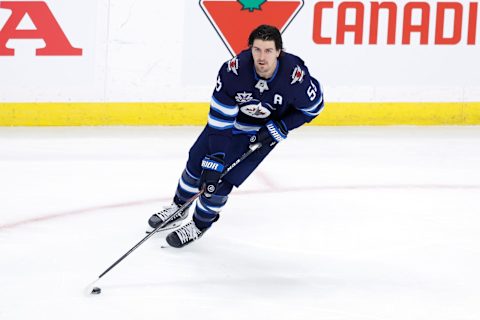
[
  {"x": 270, "y": 134},
  {"x": 212, "y": 169}
]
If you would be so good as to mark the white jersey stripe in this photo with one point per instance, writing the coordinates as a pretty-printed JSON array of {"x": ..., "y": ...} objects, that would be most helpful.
[
  {"x": 314, "y": 106},
  {"x": 186, "y": 187},
  {"x": 313, "y": 114},
  {"x": 206, "y": 208},
  {"x": 219, "y": 124},
  {"x": 226, "y": 110},
  {"x": 247, "y": 128}
]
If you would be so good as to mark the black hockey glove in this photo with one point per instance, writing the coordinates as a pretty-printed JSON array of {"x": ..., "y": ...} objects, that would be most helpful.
[
  {"x": 212, "y": 168},
  {"x": 270, "y": 134}
]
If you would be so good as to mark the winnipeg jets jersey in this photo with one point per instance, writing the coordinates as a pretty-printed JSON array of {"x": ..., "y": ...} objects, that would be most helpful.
[{"x": 243, "y": 102}]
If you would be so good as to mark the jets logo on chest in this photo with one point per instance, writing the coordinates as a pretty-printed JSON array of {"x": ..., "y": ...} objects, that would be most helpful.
[
  {"x": 261, "y": 85},
  {"x": 256, "y": 109}
]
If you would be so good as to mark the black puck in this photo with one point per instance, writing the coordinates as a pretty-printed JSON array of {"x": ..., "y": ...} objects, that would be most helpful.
[{"x": 96, "y": 290}]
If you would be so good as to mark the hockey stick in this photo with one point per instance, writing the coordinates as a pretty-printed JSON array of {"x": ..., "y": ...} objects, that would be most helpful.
[{"x": 95, "y": 290}]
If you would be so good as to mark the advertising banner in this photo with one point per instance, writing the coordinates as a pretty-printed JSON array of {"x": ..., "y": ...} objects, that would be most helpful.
[{"x": 375, "y": 59}]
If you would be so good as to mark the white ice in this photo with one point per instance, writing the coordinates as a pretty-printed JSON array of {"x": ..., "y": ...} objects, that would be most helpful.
[{"x": 339, "y": 223}]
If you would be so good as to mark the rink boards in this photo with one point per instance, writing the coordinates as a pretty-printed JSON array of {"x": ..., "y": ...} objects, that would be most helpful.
[{"x": 184, "y": 113}]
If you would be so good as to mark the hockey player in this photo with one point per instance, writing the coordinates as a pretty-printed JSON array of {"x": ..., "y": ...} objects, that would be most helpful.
[{"x": 260, "y": 95}]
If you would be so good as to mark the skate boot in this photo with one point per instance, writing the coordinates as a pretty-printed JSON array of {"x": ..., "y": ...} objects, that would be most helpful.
[
  {"x": 162, "y": 216},
  {"x": 185, "y": 235}
]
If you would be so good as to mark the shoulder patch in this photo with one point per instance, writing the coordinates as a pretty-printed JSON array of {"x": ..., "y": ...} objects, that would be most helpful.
[
  {"x": 297, "y": 75},
  {"x": 232, "y": 65}
]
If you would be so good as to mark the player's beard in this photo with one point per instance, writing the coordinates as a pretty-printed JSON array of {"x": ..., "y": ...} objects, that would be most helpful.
[{"x": 264, "y": 69}]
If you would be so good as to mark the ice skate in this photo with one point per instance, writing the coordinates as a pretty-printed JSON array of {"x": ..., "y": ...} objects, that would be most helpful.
[
  {"x": 185, "y": 235},
  {"x": 166, "y": 214}
]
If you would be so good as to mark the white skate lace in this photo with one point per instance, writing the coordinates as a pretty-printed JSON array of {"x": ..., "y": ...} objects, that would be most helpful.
[
  {"x": 167, "y": 212},
  {"x": 188, "y": 232}
]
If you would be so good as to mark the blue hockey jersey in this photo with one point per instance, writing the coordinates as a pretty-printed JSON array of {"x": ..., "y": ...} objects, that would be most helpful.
[{"x": 243, "y": 102}]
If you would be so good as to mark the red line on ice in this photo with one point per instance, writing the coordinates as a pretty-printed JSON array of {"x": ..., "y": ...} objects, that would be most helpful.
[{"x": 272, "y": 189}]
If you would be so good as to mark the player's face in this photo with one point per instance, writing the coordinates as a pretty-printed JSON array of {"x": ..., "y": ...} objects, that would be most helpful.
[{"x": 265, "y": 57}]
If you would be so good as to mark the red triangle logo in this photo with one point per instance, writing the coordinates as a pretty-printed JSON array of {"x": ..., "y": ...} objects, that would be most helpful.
[{"x": 234, "y": 20}]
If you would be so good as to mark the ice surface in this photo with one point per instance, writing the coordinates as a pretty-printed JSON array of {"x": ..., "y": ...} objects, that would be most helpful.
[{"x": 338, "y": 223}]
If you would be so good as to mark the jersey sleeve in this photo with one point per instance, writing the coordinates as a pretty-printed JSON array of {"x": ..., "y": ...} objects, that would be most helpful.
[
  {"x": 307, "y": 103},
  {"x": 222, "y": 114}
]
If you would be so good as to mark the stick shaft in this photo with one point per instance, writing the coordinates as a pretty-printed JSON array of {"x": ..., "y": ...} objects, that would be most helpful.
[{"x": 251, "y": 149}]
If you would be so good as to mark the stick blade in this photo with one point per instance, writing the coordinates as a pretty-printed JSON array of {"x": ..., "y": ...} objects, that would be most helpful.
[{"x": 92, "y": 289}]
